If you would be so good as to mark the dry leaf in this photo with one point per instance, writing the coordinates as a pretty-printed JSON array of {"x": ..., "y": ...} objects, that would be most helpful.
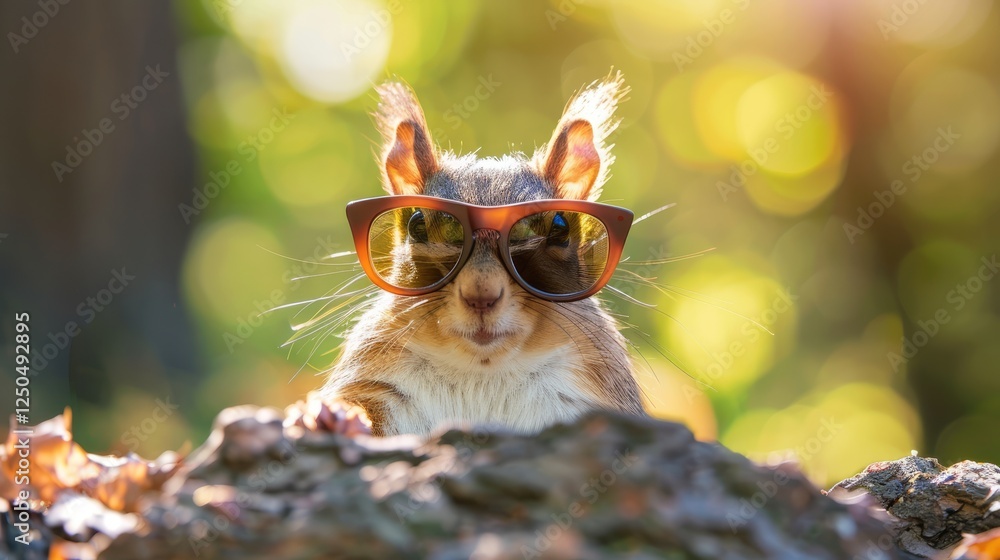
[
  {"x": 55, "y": 461},
  {"x": 57, "y": 464},
  {"x": 984, "y": 546}
]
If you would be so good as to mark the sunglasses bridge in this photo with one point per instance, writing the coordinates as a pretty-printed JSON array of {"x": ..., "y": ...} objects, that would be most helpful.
[{"x": 485, "y": 234}]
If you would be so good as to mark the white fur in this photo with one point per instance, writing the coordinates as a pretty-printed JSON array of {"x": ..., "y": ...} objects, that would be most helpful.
[{"x": 521, "y": 393}]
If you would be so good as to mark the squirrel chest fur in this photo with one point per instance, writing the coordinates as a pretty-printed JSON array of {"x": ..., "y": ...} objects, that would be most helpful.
[{"x": 481, "y": 350}]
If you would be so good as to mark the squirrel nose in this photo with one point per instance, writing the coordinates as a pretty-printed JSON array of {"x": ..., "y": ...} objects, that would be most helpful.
[{"x": 482, "y": 300}]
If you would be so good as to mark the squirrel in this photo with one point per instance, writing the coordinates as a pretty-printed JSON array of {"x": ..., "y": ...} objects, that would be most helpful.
[{"x": 481, "y": 350}]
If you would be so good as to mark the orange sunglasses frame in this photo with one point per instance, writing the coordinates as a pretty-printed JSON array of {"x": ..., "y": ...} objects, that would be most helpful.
[{"x": 361, "y": 214}]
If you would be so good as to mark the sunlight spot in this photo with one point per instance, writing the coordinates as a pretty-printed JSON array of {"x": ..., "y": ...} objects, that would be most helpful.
[{"x": 334, "y": 50}]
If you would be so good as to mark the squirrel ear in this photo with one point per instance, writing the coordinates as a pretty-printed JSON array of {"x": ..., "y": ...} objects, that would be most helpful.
[
  {"x": 408, "y": 158},
  {"x": 573, "y": 164},
  {"x": 576, "y": 159}
]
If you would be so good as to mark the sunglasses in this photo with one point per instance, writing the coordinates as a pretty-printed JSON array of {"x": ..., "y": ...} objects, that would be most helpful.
[{"x": 557, "y": 250}]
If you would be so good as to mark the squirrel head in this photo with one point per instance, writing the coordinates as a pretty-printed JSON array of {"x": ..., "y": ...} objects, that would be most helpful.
[
  {"x": 483, "y": 314},
  {"x": 482, "y": 349}
]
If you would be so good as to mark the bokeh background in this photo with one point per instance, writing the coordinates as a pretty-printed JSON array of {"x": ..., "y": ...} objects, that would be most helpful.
[{"x": 832, "y": 164}]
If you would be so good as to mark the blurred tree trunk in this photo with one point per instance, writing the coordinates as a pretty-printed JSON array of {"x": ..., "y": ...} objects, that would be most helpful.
[{"x": 64, "y": 72}]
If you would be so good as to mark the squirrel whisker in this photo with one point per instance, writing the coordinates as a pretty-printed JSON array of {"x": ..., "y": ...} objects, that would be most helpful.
[
  {"x": 665, "y": 260},
  {"x": 304, "y": 261},
  {"x": 630, "y": 299},
  {"x": 669, "y": 291}
]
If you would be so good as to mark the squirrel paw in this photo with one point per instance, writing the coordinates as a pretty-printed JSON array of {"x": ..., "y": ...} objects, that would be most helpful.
[{"x": 328, "y": 415}]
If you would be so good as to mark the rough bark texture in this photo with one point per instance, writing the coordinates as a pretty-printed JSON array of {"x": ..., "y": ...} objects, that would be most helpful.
[
  {"x": 936, "y": 505},
  {"x": 605, "y": 487},
  {"x": 312, "y": 484}
]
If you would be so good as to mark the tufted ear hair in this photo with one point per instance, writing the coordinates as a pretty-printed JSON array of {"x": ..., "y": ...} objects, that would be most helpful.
[
  {"x": 408, "y": 157},
  {"x": 576, "y": 160}
]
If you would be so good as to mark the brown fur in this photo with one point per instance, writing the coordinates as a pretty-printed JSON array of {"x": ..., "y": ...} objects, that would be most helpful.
[{"x": 376, "y": 398}]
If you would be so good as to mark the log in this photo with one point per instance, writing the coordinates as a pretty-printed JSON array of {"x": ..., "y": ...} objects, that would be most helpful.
[{"x": 311, "y": 483}]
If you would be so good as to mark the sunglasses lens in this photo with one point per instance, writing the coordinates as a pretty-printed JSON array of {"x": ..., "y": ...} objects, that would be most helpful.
[
  {"x": 415, "y": 248},
  {"x": 560, "y": 253}
]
